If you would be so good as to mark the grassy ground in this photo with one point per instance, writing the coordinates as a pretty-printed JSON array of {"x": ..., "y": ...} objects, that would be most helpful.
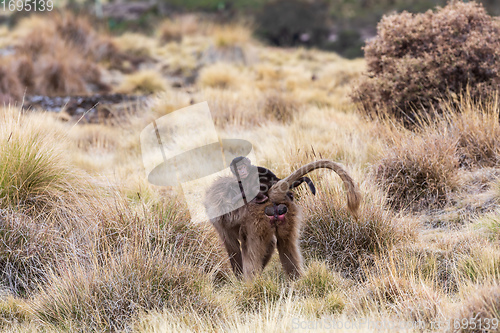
[{"x": 87, "y": 244}]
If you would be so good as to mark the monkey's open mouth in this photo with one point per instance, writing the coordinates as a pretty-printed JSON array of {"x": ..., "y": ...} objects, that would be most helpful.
[{"x": 276, "y": 214}]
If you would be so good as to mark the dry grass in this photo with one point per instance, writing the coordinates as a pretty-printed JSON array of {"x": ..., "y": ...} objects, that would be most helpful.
[
  {"x": 356, "y": 240},
  {"x": 232, "y": 35},
  {"x": 58, "y": 56},
  {"x": 418, "y": 171},
  {"x": 144, "y": 82},
  {"x": 181, "y": 26},
  {"x": 221, "y": 76},
  {"x": 483, "y": 306},
  {"x": 280, "y": 106},
  {"x": 136, "y": 44},
  {"x": 101, "y": 249}
]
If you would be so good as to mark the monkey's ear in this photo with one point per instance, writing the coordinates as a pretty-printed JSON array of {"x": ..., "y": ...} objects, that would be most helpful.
[{"x": 261, "y": 198}]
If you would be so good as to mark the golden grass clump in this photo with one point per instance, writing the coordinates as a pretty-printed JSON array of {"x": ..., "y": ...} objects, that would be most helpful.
[
  {"x": 420, "y": 168},
  {"x": 489, "y": 225},
  {"x": 169, "y": 101},
  {"x": 220, "y": 75},
  {"x": 264, "y": 290},
  {"x": 30, "y": 248},
  {"x": 412, "y": 300},
  {"x": 332, "y": 234},
  {"x": 231, "y": 35},
  {"x": 318, "y": 280},
  {"x": 34, "y": 176},
  {"x": 111, "y": 295},
  {"x": 43, "y": 201},
  {"x": 476, "y": 128},
  {"x": 418, "y": 171},
  {"x": 281, "y": 106},
  {"x": 143, "y": 82},
  {"x": 231, "y": 108},
  {"x": 321, "y": 290},
  {"x": 60, "y": 55},
  {"x": 57, "y": 75},
  {"x": 173, "y": 30},
  {"x": 136, "y": 44}
]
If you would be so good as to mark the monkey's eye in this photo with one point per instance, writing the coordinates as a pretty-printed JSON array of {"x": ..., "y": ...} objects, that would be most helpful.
[{"x": 289, "y": 195}]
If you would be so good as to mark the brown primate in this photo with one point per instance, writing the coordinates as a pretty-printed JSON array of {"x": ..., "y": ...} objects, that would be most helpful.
[
  {"x": 252, "y": 232},
  {"x": 223, "y": 196}
]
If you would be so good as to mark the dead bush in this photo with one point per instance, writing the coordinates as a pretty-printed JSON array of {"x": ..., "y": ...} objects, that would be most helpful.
[
  {"x": 416, "y": 59},
  {"x": 10, "y": 88},
  {"x": 59, "y": 56}
]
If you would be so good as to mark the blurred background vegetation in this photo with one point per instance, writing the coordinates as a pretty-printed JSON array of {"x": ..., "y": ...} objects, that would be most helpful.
[{"x": 337, "y": 25}]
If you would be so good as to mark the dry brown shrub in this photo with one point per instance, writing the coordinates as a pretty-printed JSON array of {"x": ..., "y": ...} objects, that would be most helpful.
[
  {"x": 11, "y": 89},
  {"x": 58, "y": 55},
  {"x": 416, "y": 59}
]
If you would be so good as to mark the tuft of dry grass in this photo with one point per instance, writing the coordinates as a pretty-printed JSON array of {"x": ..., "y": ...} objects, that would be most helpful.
[
  {"x": 219, "y": 75},
  {"x": 108, "y": 296},
  {"x": 180, "y": 26},
  {"x": 347, "y": 243},
  {"x": 418, "y": 171},
  {"x": 136, "y": 44},
  {"x": 43, "y": 201},
  {"x": 489, "y": 225},
  {"x": 60, "y": 55},
  {"x": 33, "y": 172},
  {"x": 143, "y": 82},
  {"x": 412, "y": 300},
  {"x": 232, "y": 35},
  {"x": 281, "y": 107},
  {"x": 482, "y": 304},
  {"x": 476, "y": 128}
]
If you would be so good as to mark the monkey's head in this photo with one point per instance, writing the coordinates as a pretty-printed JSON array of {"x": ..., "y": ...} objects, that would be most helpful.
[{"x": 240, "y": 167}]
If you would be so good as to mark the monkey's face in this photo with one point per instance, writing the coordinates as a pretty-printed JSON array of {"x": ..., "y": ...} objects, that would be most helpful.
[{"x": 243, "y": 171}]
